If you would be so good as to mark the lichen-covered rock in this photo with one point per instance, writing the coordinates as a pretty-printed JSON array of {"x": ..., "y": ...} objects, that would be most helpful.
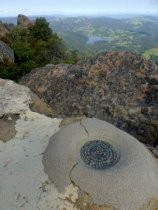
[
  {"x": 119, "y": 87},
  {"x": 6, "y": 53}
]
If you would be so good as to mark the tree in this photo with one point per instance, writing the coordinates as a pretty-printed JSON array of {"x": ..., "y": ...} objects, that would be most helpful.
[
  {"x": 47, "y": 46},
  {"x": 52, "y": 51},
  {"x": 24, "y": 55},
  {"x": 154, "y": 58},
  {"x": 40, "y": 30},
  {"x": 34, "y": 47}
]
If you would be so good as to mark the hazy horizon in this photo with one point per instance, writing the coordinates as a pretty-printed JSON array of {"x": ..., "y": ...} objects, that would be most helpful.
[{"x": 78, "y": 7}]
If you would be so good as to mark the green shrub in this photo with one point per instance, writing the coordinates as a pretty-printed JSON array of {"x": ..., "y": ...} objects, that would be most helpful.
[
  {"x": 9, "y": 71},
  {"x": 35, "y": 47},
  {"x": 40, "y": 30}
]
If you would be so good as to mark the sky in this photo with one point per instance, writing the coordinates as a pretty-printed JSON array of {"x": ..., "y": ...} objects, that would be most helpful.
[{"x": 77, "y": 7}]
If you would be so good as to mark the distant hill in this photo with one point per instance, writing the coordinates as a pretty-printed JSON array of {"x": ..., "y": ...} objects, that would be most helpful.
[
  {"x": 136, "y": 34},
  {"x": 91, "y": 35},
  {"x": 29, "y": 44},
  {"x": 12, "y": 20}
]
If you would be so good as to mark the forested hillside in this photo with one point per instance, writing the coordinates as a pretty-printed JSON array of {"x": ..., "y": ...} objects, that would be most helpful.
[
  {"x": 33, "y": 46},
  {"x": 97, "y": 34}
]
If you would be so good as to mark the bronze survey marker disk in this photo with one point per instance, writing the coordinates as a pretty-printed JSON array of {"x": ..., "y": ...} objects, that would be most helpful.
[{"x": 99, "y": 154}]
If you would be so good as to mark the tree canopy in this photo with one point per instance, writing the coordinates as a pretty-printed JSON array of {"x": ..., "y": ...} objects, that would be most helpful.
[{"x": 33, "y": 47}]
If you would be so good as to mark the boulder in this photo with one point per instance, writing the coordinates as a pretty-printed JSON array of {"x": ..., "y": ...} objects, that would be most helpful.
[
  {"x": 118, "y": 87},
  {"x": 127, "y": 184},
  {"x": 23, "y": 21},
  {"x": 14, "y": 100},
  {"x": 5, "y": 28},
  {"x": 6, "y": 53},
  {"x": 21, "y": 169},
  {"x": 26, "y": 185}
]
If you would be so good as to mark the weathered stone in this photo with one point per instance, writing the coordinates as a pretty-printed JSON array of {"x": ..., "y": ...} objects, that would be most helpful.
[
  {"x": 119, "y": 87},
  {"x": 125, "y": 185},
  {"x": 67, "y": 121},
  {"x": 151, "y": 205},
  {"x": 7, "y": 127},
  {"x": 5, "y": 28},
  {"x": 25, "y": 184},
  {"x": 85, "y": 202},
  {"x": 24, "y": 181},
  {"x": 14, "y": 100},
  {"x": 23, "y": 21},
  {"x": 153, "y": 149},
  {"x": 37, "y": 105},
  {"x": 6, "y": 53},
  {"x": 100, "y": 207}
]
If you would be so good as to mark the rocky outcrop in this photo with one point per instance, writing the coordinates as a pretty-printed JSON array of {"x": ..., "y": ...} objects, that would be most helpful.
[
  {"x": 25, "y": 184},
  {"x": 119, "y": 87},
  {"x": 5, "y": 28},
  {"x": 21, "y": 157},
  {"x": 29, "y": 134},
  {"x": 6, "y": 53},
  {"x": 23, "y": 21},
  {"x": 14, "y": 100}
]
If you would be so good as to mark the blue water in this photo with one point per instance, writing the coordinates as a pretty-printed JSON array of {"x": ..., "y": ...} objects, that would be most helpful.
[{"x": 93, "y": 39}]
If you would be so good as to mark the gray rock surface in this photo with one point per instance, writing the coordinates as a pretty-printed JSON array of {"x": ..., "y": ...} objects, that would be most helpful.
[
  {"x": 23, "y": 183},
  {"x": 12, "y": 99},
  {"x": 5, "y": 28},
  {"x": 7, "y": 127},
  {"x": 23, "y": 21},
  {"x": 127, "y": 185},
  {"x": 6, "y": 53}
]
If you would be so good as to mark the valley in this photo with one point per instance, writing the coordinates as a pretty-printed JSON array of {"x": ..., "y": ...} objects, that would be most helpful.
[{"x": 91, "y": 35}]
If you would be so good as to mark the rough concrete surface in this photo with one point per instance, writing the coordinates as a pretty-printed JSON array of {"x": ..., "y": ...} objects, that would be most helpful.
[{"x": 126, "y": 186}]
